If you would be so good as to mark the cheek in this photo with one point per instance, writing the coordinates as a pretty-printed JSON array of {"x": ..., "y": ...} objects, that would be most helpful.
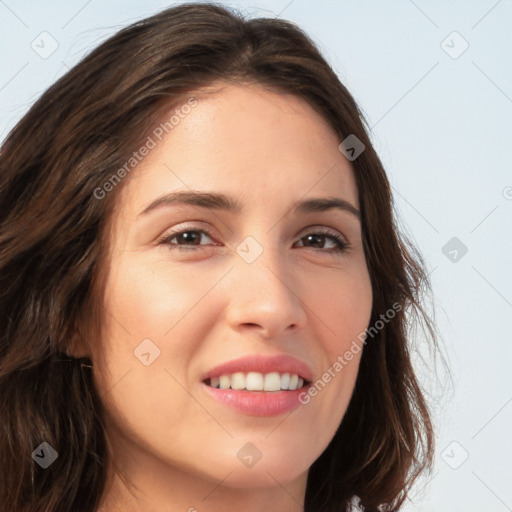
[
  {"x": 340, "y": 309},
  {"x": 343, "y": 305},
  {"x": 149, "y": 298},
  {"x": 144, "y": 314}
]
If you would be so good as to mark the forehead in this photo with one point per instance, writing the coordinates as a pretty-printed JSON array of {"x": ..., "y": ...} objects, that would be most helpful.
[{"x": 247, "y": 142}]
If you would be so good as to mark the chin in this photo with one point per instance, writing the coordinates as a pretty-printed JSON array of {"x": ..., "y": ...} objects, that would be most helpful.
[
  {"x": 243, "y": 478},
  {"x": 267, "y": 471}
]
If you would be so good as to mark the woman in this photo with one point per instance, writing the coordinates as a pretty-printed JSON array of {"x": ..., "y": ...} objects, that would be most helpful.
[{"x": 267, "y": 368}]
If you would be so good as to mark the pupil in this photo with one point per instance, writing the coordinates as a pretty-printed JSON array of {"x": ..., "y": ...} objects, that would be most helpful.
[
  {"x": 313, "y": 237},
  {"x": 187, "y": 237}
]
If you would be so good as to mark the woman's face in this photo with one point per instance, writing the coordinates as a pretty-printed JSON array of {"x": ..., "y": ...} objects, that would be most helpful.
[{"x": 263, "y": 280}]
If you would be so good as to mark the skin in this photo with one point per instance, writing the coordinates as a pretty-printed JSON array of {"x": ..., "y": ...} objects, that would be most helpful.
[{"x": 176, "y": 446}]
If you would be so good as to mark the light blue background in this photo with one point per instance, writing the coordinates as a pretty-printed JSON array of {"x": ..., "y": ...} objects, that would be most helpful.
[{"x": 443, "y": 128}]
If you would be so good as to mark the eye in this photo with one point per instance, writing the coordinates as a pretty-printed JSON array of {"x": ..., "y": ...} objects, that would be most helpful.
[
  {"x": 189, "y": 239},
  {"x": 340, "y": 245}
]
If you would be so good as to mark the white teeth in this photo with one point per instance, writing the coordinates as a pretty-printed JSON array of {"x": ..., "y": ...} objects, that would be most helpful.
[
  {"x": 225, "y": 382},
  {"x": 255, "y": 381},
  {"x": 238, "y": 381},
  {"x": 272, "y": 382}
]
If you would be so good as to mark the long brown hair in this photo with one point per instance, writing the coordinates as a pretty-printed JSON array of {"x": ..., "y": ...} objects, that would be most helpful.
[{"x": 52, "y": 247}]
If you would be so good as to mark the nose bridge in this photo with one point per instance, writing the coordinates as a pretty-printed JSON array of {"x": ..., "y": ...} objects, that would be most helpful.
[
  {"x": 263, "y": 260},
  {"x": 262, "y": 285},
  {"x": 267, "y": 272}
]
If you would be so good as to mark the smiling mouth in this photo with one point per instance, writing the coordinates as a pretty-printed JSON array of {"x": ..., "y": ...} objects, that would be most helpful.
[{"x": 255, "y": 381}]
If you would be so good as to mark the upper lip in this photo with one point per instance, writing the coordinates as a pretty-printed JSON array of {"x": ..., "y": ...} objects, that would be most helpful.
[{"x": 262, "y": 364}]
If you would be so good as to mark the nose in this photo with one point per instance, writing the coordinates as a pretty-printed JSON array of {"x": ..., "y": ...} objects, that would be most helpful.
[{"x": 265, "y": 297}]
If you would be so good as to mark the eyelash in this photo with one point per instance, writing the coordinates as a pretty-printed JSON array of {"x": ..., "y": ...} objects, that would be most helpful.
[{"x": 341, "y": 245}]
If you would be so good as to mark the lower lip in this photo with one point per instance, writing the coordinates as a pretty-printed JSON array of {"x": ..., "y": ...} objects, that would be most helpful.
[{"x": 258, "y": 403}]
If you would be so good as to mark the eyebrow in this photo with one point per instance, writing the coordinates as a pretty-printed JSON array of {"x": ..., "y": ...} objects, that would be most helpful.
[{"x": 218, "y": 201}]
